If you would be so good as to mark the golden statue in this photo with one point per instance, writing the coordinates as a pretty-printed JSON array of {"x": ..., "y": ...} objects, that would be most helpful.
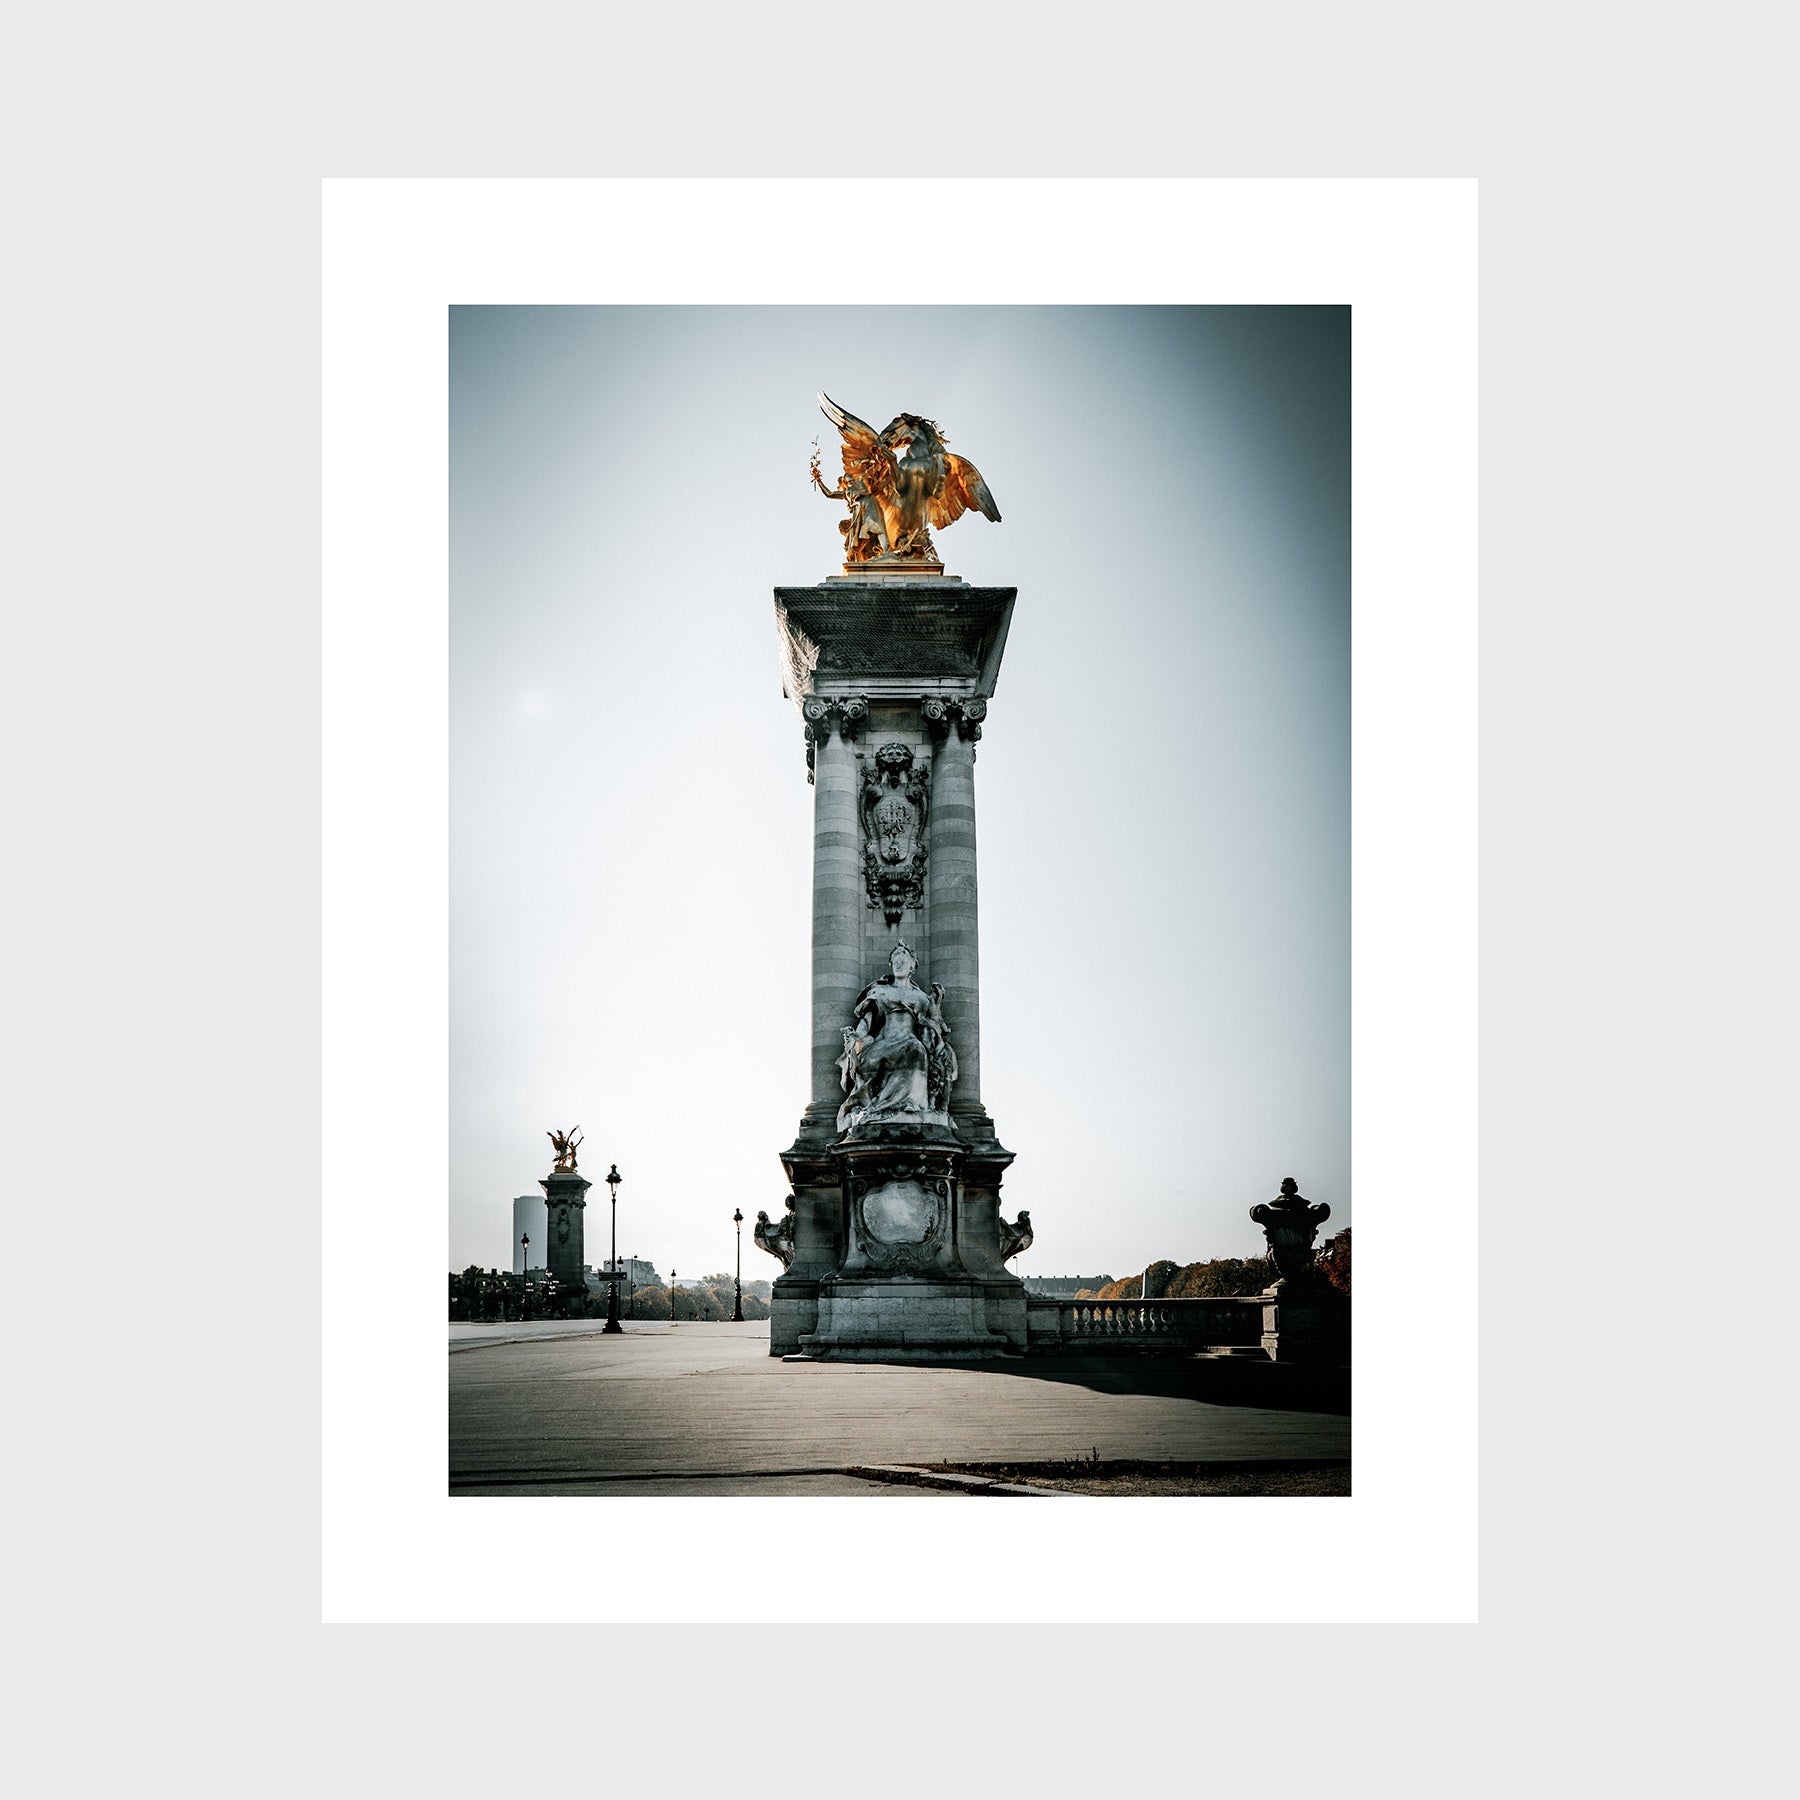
[
  {"x": 565, "y": 1145},
  {"x": 897, "y": 483}
]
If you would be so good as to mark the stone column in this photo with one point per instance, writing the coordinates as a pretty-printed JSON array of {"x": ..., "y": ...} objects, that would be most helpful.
[
  {"x": 565, "y": 1204},
  {"x": 832, "y": 726},
  {"x": 896, "y": 1246},
  {"x": 955, "y": 951}
]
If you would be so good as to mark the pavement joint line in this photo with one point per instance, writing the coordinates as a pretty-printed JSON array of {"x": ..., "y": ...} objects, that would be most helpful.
[
  {"x": 886, "y": 1474},
  {"x": 512, "y": 1478},
  {"x": 907, "y": 1475}
]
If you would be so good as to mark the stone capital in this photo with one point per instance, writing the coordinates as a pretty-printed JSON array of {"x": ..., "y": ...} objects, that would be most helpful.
[
  {"x": 966, "y": 715},
  {"x": 819, "y": 712}
]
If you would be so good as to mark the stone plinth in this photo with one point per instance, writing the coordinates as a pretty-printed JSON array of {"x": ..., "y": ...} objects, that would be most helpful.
[
  {"x": 1306, "y": 1322},
  {"x": 565, "y": 1201},
  {"x": 896, "y": 1235}
]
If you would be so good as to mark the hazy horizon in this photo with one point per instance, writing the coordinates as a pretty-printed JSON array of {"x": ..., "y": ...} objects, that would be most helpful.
[{"x": 1163, "y": 784}]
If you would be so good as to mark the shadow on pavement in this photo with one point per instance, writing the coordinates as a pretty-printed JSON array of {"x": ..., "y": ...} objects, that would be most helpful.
[{"x": 1224, "y": 1381}]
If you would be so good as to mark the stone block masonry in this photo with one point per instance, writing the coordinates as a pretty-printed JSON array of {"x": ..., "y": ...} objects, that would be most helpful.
[
  {"x": 895, "y": 1167},
  {"x": 565, "y": 1203}
]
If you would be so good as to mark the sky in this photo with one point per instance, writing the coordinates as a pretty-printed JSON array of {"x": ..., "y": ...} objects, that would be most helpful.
[{"x": 1162, "y": 787}]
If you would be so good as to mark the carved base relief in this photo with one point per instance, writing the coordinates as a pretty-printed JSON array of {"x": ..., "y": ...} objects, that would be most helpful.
[{"x": 901, "y": 1212}]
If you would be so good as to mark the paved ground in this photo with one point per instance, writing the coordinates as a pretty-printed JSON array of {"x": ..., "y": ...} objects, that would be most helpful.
[
  {"x": 557, "y": 1408},
  {"x": 1265, "y": 1478}
]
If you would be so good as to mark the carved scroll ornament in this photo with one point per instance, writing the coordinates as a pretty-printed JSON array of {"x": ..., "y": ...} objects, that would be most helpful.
[
  {"x": 965, "y": 715},
  {"x": 777, "y": 1240},
  {"x": 1015, "y": 1238},
  {"x": 849, "y": 713}
]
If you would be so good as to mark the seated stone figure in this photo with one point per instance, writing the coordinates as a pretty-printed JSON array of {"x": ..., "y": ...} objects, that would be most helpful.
[{"x": 898, "y": 1062}]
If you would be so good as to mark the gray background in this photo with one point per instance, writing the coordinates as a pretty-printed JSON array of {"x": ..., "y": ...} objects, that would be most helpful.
[
  {"x": 1163, "y": 785},
  {"x": 1636, "y": 674}
]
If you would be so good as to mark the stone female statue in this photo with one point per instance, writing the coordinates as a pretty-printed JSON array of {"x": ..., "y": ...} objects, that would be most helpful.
[{"x": 898, "y": 1062}]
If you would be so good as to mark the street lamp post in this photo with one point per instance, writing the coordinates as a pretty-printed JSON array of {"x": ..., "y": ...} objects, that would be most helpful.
[
  {"x": 737, "y": 1311},
  {"x": 613, "y": 1178},
  {"x": 524, "y": 1274},
  {"x": 671, "y": 1299}
]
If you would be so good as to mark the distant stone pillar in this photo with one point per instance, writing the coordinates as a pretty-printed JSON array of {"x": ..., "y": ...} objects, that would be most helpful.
[
  {"x": 565, "y": 1205},
  {"x": 954, "y": 953},
  {"x": 831, "y": 727}
]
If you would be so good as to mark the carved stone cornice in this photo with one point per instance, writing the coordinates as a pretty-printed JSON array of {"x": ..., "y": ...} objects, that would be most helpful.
[
  {"x": 965, "y": 715},
  {"x": 879, "y": 636},
  {"x": 849, "y": 712}
]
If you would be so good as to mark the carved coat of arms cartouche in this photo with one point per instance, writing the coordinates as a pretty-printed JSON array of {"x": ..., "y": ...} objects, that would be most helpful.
[{"x": 895, "y": 805}]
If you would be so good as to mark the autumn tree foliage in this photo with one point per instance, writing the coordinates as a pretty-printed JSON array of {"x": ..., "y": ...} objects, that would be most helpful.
[
  {"x": 1334, "y": 1261},
  {"x": 712, "y": 1301},
  {"x": 1224, "y": 1277}
]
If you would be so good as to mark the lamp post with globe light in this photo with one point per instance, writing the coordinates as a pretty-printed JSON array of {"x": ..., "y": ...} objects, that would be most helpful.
[
  {"x": 737, "y": 1311},
  {"x": 613, "y": 1178}
]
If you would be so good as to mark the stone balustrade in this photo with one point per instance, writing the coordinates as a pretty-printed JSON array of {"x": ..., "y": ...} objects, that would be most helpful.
[{"x": 1181, "y": 1325}]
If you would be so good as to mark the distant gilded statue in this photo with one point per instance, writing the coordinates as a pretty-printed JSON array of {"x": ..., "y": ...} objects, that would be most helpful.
[
  {"x": 565, "y": 1149},
  {"x": 898, "y": 1062},
  {"x": 897, "y": 484}
]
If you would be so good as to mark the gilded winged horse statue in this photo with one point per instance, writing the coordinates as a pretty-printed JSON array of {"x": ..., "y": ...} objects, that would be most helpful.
[{"x": 898, "y": 483}]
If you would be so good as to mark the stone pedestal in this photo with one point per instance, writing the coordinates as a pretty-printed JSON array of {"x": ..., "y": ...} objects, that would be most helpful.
[
  {"x": 1306, "y": 1323},
  {"x": 896, "y": 1251},
  {"x": 565, "y": 1201}
]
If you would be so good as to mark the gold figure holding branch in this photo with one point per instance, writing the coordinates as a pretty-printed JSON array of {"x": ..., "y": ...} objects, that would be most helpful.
[{"x": 899, "y": 483}]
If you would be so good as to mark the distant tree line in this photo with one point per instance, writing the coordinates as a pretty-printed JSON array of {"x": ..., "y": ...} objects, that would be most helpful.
[
  {"x": 700, "y": 1301},
  {"x": 493, "y": 1296},
  {"x": 1225, "y": 1277}
]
